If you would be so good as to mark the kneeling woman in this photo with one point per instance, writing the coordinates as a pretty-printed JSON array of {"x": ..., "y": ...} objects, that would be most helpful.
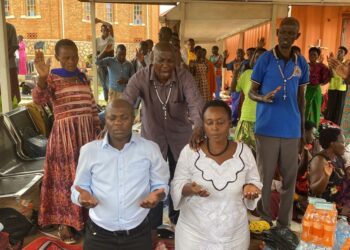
[{"x": 213, "y": 187}]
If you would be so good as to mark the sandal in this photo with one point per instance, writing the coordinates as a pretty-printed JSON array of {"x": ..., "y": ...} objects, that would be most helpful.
[
  {"x": 65, "y": 235},
  {"x": 259, "y": 226}
]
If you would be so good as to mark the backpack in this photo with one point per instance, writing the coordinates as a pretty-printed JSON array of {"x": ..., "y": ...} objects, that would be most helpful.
[{"x": 15, "y": 224}]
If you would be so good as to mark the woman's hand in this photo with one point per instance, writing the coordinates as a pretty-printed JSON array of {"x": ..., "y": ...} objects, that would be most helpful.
[
  {"x": 198, "y": 190},
  {"x": 42, "y": 67},
  {"x": 251, "y": 192}
]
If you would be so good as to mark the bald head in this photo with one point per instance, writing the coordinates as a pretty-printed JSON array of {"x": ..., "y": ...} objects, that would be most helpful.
[
  {"x": 163, "y": 61},
  {"x": 119, "y": 103}
]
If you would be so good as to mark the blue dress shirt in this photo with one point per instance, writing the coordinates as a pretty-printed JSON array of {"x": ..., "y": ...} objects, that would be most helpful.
[
  {"x": 117, "y": 70},
  {"x": 120, "y": 180}
]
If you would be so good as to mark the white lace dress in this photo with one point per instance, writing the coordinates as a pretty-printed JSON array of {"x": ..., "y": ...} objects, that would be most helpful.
[{"x": 217, "y": 222}]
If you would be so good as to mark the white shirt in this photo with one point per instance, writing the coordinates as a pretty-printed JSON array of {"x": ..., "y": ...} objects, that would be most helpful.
[
  {"x": 217, "y": 222},
  {"x": 120, "y": 180},
  {"x": 101, "y": 43}
]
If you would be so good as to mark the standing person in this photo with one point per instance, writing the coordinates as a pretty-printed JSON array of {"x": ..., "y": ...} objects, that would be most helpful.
[
  {"x": 22, "y": 64},
  {"x": 119, "y": 70},
  {"x": 150, "y": 48},
  {"x": 199, "y": 69},
  {"x": 139, "y": 61},
  {"x": 119, "y": 178},
  {"x": 278, "y": 86},
  {"x": 217, "y": 60},
  {"x": 336, "y": 92},
  {"x": 12, "y": 45},
  {"x": 188, "y": 53},
  {"x": 319, "y": 75},
  {"x": 238, "y": 64},
  {"x": 106, "y": 38},
  {"x": 214, "y": 186},
  {"x": 245, "y": 127},
  {"x": 171, "y": 115},
  {"x": 211, "y": 74},
  {"x": 76, "y": 123}
]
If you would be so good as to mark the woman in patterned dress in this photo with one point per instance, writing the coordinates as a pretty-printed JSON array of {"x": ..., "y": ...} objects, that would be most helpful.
[
  {"x": 199, "y": 70},
  {"x": 76, "y": 123}
]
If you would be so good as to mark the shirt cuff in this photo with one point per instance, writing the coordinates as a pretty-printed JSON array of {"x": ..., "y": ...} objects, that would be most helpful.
[
  {"x": 75, "y": 197},
  {"x": 302, "y": 84},
  {"x": 254, "y": 81},
  {"x": 166, "y": 190}
]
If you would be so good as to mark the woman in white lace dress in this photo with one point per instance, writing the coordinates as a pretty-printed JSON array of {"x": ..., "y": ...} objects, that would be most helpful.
[{"x": 214, "y": 186}]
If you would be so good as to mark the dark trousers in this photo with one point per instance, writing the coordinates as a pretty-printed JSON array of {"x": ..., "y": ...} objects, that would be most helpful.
[
  {"x": 99, "y": 238},
  {"x": 335, "y": 105},
  {"x": 156, "y": 214}
]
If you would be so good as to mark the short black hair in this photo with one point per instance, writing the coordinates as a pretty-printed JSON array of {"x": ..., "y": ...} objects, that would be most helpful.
[
  {"x": 121, "y": 47},
  {"x": 343, "y": 48},
  {"x": 190, "y": 40},
  {"x": 296, "y": 49},
  {"x": 215, "y": 47},
  {"x": 328, "y": 135},
  {"x": 252, "y": 49},
  {"x": 316, "y": 49},
  {"x": 64, "y": 43},
  {"x": 197, "y": 48},
  {"x": 220, "y": 104},
  {"x": 165, "y": 34},
  {"x": 290, "y": 21},
  {"x": 309, "y": 125}
]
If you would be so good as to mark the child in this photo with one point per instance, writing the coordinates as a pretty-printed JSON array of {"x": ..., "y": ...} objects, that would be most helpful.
[{"x": 76, "y": 123}]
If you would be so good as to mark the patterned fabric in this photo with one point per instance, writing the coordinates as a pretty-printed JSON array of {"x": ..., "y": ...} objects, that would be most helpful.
[
  {"x": 217, "y": 60},
  {"x": 345, "y": 122},
  {"x": 245, "y": 133},
  {"x": 76, "y": 123},
  {"x": 201, "y": 73}
]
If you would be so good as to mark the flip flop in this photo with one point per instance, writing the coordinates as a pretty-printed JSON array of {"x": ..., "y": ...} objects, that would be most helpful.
[{"x": 259, "y": 226}]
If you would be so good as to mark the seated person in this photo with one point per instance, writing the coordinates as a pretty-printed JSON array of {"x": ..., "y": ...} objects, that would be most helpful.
[
  {"x": 327, "y": 173},
  {"x": 214, "y": 186},
  {"x": 119, "y": 179}
]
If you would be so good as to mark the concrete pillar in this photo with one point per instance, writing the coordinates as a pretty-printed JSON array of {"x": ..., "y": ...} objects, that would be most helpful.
[
  {"x": 273, "y": 26},
  {"x": 94, "y": 52},
  {"x": 5, "y": 83}
]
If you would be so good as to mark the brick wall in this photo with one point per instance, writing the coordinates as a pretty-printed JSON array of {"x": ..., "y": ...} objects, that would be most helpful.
[{"x": 48, "y": 24}]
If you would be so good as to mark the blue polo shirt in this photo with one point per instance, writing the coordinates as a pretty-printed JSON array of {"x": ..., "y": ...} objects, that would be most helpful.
[{"x": 282, "y": 117}]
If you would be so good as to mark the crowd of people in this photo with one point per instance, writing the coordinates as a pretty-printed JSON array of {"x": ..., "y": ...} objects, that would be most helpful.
[{"x": 113, "y": 182}]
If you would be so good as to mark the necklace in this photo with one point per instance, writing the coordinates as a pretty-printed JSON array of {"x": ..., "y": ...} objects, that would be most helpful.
[
  {"x": 226, "y": 147},
  {"x": 164, "y": 104},
  {"x": 295, "y": 73}
]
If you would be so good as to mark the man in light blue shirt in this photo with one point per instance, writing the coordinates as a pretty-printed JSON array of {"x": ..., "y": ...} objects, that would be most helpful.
[
  {"x": 120, "y": 178},
  {"x": 119, "y": 70}
]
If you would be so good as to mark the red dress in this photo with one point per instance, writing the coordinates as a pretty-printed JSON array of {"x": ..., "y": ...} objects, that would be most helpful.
[{"x": 76, "y": 123}]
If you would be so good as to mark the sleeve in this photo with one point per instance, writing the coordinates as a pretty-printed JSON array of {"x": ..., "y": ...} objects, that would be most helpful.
[
  {"x": 83, "y": 175},
  {"x": 259, "y": 69},
  {"x": 104, "y": 62},
  {"x": 12, "y": 38},
  {"x": 305, "y": 72},
  {"x": 182, "y": 176},
  {"x": 132, "y": 90},
  {"x": 252, "y": 177},
  {"x": 159, "y": 172},
  {"x": 44, "y": 96},
  {"x": 193, "y": 98}
]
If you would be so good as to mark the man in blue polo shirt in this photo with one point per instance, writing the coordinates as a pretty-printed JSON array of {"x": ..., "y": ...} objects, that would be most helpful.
[{"x": 278, "y": 85}]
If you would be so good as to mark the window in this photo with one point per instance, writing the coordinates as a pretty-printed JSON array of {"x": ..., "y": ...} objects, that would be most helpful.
[
  {"x": 30, "y": 8},
  {"x": 7, "y": 7},
  {"x": 109, "y": 12},
  {"x": 86, "y": 11},
  {"x": 137, "y": 14}
]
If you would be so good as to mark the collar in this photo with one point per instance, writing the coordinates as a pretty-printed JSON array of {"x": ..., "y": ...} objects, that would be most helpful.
[
  {"x": 154, "y": 79},
  {"x": 105, "y": 141},
  {"x": 278, "y": 55}
]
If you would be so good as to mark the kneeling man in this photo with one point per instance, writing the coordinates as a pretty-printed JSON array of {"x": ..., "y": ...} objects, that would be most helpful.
[{"x": 120, "y": 178}]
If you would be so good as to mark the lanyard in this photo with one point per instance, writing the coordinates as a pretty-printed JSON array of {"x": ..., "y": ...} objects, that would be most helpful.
[{"x": 295, "y": 72}]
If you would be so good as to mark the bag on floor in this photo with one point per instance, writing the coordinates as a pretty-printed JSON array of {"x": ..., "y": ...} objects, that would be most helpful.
[
  {"x": 49, "y": 243},
  {"x": 280, "y": 239},
  {"x": 15, "y": 224}
]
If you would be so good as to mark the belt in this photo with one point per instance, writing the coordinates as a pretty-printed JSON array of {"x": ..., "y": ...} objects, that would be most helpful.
[{"x": 139, "y": 228}]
